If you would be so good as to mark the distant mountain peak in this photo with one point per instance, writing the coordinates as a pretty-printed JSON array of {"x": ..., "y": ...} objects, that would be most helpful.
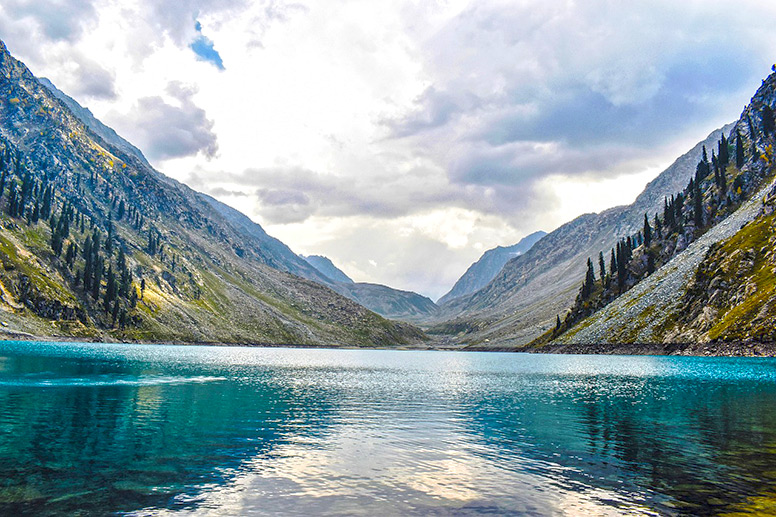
[
  {"x": 489, "y": 264},
  {"x": 327, "y": 268}
]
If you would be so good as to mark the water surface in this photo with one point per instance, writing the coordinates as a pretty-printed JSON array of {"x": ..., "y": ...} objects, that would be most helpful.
[{"x": 150, "y": 430}]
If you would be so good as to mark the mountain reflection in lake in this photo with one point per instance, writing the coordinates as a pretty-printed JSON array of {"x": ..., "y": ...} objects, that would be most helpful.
[{"x": 232, "y": 431}]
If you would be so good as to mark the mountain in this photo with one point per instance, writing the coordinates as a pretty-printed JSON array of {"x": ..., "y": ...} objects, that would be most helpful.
[
  {"x": 327, "y": 267},
  {"x": 385, "y": 301},
  {"x": 487, "y": 267},
  {"x": 273, "y": 252},
  {"x": 86, "y": 116},
  {"x": 525, "y": 297},
  {"x": 718, "y": 295},
  {"x": 389, "y": 302},
  {"x": 94, "y": 243}
]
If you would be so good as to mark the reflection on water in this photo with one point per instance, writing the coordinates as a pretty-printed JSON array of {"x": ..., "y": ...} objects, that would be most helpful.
[{"x": 218, "y": 430}]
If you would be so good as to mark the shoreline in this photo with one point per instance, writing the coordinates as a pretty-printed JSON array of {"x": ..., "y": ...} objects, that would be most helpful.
[{"x": 709, "y": 349}]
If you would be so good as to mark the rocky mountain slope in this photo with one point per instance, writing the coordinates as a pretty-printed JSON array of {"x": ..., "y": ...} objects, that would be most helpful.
[
  {"x": 721, "y": 289},
  {"x": 488, "y": 266},
  {"x": 389, "y": 302},
  {"x": 523, "y": 300},
  {"x": 386, "y": 301},
  {"x": 95, "y": 243},
  {"x": 327, "y": 267},
  {"x": 86, "y": 116}
]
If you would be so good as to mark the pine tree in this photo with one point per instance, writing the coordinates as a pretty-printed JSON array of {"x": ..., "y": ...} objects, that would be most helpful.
[
  {"x": 703, "y": 168},
  {"x": 724, "y": 153},
  {"x": 602, "y": 267},
  {"x": 587, "y": 286},
  {"x": 647, "y": 232},
  {"x": 697, "y": 207},
  {"x": 739, "y": 151},
  {"x": 13, "y": 201},
  {"x": 768, "y": 122},
  {"x": 110, "y": 289},
  {"x": 612, "y": 263},
  {"x": 97, "y": 276},
  {"x": 678, "y": 206},
  {"x": 621, "y": 271},
  {"x": 115, "y": 314},
  {"x": 109, "y": 238},
  {"x": 669, "y": 216},
  {"x": 70, "y": 254}
]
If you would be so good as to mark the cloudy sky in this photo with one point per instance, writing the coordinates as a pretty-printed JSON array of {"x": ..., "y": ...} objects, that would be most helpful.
[{"x": 403, "y": 138}]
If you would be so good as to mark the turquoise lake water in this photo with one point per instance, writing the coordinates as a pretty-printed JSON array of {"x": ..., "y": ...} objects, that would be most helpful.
[{"x": 150, "y": 430}]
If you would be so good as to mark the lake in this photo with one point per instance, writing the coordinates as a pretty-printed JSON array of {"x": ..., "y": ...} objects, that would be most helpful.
[{"x": 152, "y": 430}]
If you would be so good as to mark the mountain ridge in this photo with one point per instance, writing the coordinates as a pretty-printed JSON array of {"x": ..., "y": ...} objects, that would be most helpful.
[
  {"x": 481, "y": 272},
  {"x": 386, "y": 301},
  {"x": 185, "y": 274},
  {"x": 327, "y": 268},
  {"x": 720, "y": 290},
  {"x": 523, "y": 300}
]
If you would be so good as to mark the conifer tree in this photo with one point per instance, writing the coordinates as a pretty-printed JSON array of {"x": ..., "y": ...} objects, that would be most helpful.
[
  {"x": 12, "y": 201},
  {"x": 97, "y": 276},
  {"x": 602, "y": 267},
  {"x": 668, "y": 214},
  {"x": 621, "y": 271},
  {"x": 647, "y": 232},
  {"x": 768, "y": 122},
  {"x": 697, "y": 207},
  {"x": 109, "y": 238},
  {"x": 115, "y": 314},
  {"x": 724, "y": 153},
  {"x": 739, "y": 151},
  {"x": 587, "y": 286},
  {"x": 110, "y": 289}
]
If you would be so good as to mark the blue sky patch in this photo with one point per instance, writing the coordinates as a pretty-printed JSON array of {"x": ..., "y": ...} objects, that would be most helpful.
[{"x": 203, "y": 48}]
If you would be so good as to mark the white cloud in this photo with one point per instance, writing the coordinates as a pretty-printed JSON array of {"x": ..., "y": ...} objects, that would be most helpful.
[{"x": 170, "y": 127}]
